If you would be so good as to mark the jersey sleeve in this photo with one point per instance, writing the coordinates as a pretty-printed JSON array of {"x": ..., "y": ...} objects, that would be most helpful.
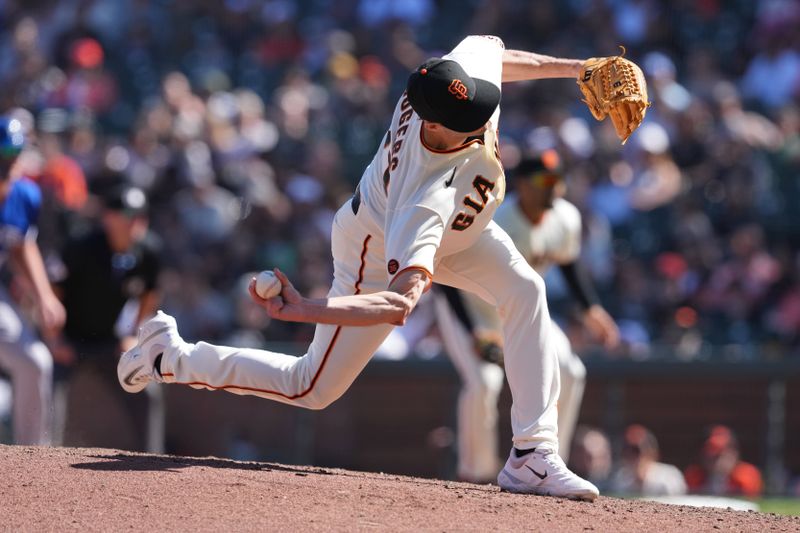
[
  {"x": 32, "y": 203},
  {"x": 20, "y": 212},
  {"x": 413, "y": 235},
  {"x": 481, "y": 56}
]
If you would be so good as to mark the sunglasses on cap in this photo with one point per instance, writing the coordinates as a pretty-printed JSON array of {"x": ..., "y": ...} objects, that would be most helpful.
[{"x": 545, "y": 180}]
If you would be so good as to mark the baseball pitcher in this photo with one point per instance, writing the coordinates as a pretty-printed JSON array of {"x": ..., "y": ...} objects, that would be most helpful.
[{"x": 421, "y": 213}]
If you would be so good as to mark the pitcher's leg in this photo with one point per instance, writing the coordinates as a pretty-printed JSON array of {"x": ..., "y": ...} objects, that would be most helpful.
[
  {"x": 336, "y": 356},
  {"x": 493, "y": 269},
  {"x": 573, "y": 381}
]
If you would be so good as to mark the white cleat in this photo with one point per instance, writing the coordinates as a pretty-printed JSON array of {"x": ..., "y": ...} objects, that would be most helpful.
[
  {"x": 543, "y": 472},
  {"x": 136, "y": 367}
]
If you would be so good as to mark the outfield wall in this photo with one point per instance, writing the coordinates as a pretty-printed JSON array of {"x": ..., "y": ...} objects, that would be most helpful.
[{"x": 399, "y": 417}]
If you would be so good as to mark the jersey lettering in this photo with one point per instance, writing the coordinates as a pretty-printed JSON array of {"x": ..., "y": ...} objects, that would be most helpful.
[
  {"x": 387, "y": 141},
  {"x": 482, "y": 186},
  {"x": 469, "y": 202},
  {"x": 392, "y": 154},
  {"x": 406, "y": 116},
  {"x": 462, "y": 221}
]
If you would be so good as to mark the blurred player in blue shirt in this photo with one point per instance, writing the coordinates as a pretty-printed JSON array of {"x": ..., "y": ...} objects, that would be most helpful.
[{"x": 23, "y": 357}]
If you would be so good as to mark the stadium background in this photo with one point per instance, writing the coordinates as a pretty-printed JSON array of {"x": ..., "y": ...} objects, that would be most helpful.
[{"x": 248, "y": 123}]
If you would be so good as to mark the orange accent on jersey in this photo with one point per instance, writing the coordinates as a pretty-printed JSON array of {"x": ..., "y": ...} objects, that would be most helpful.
[
  {"x": 451, "y": 150},
  {"x": 363, "y": 264},
  {"x": 458, "y": 89},
  {"x": 421, "y": 269},
  {"x": 386, "y": 177},
  {"x": 324, "y": 357},
  {"x": 265, "y": 391}
]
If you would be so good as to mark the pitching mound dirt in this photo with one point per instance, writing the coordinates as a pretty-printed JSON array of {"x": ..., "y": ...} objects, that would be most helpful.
[{"x": 63, "y": 489}]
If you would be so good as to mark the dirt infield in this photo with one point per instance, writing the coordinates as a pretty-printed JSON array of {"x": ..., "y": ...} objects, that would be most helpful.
[{"x": 70, "y": 489}]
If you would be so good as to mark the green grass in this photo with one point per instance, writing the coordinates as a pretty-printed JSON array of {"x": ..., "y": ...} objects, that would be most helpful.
[{"x": 785, "y": 506}]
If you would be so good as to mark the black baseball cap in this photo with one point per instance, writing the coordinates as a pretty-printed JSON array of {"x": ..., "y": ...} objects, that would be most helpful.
[
  {"x": 548, "y": 162},
  {"x": 441, "y": 91},
  {"x": 127, "y": 199}
]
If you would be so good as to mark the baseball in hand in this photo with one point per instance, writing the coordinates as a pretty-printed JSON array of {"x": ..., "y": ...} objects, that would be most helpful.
[{"x": 268, "y": 285}]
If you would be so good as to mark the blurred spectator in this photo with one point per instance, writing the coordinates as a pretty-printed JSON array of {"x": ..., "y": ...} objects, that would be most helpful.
[
  {"x": 773, "y": 74},
  {"x": 247, "y": 123},
  {"x": 108, "y": 286},
  {"x": 720, "y": 470},
  {"x": 591, "y": 457},
  {"x": 61, "y": 176},
  {"x": 640, "y": 473}
]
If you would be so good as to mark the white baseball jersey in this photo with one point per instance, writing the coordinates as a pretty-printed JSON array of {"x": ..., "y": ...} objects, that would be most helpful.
[
  {"x": 556, "y": 239},
  {"x": 407, "y": 182}
]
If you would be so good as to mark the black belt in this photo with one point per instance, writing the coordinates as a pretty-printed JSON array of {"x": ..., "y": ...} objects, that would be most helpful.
[{"x": 355, "y": 202}]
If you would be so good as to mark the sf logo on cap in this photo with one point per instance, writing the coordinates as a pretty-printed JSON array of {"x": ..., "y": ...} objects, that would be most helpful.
[{"x": 458, "y": 89}]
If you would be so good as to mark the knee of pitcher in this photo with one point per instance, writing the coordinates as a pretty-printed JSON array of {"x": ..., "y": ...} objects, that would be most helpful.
[{"x": 527, "y": 290}]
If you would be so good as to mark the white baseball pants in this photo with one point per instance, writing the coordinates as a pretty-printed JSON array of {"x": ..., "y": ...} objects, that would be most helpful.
[
  {"x": 573, "y": 382},
  {"x": 481, "y": 385},
  {"x": 492, "y": 267},
  {"x": 28, "y": 363}
]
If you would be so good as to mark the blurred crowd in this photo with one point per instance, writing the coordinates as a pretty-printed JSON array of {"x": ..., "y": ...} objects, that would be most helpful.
[
  {"x": 247, "y": 124},
  {"x": 634, "y": 467}
]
